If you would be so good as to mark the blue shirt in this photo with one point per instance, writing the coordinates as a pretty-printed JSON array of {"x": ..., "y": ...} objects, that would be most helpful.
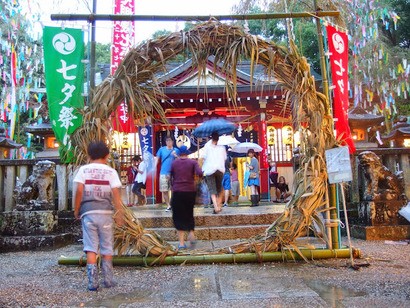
[{"x": 167, "y": 157}]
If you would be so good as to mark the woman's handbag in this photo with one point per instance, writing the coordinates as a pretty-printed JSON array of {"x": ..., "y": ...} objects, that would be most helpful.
[{"x": 253, "y": 175}]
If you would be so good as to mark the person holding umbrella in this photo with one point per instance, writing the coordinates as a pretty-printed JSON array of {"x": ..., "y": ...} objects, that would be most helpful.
[
  {"x": 213, "y": 166},
  {"x": 253, "y": 179}
]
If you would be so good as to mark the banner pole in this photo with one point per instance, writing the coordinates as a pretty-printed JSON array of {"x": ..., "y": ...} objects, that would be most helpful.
[
  {"x": 332, "y": 188},
  {"x": 92, "y": 56}
]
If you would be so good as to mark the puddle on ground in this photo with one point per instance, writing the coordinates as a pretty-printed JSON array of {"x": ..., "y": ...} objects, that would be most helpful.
[{"x": 331, "y": 294}]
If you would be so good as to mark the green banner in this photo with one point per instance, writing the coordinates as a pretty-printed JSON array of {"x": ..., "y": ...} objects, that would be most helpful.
[{"x": 64, "y": 70}]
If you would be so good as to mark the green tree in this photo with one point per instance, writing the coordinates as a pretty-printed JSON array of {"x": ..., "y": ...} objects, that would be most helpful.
[
  {"x": 102, "y": 53},
  {"x": 272, "y": 29},
  {"x": 378, "y": 61},
  {"x": 159, "y": 33},
  {"x": 304, "y": 30},
  {"x": 379, "y": 41}
]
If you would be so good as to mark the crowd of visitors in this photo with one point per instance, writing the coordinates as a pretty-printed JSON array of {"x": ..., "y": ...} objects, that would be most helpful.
[{"x": 97, "y": 194}]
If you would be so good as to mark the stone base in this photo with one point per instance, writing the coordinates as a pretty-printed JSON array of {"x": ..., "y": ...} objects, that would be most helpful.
[
  {"x": 374, "y": 233},
  {"x": 34, "y": 205},
  {"x": 381, "y": 213},
  {"x": 35, "y": 242},
  {"x": 28, "y": 222}
]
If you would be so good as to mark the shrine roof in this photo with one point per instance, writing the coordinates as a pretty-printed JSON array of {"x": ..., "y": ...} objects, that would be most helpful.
[{"x": 358, "y": 117}]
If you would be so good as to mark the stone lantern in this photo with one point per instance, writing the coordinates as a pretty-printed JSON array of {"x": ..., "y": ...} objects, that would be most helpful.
[
  {"x": 6, "y": 144},
  {"x": 360, "y": 121},
  {"x": 400, "y": 134},
  {"x": 45, "y": 131}
]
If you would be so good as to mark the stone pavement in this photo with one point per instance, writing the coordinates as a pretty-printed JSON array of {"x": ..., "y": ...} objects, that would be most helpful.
[
  {"x": 321, "y": 283},
  {"x": 34, "y": 279}
]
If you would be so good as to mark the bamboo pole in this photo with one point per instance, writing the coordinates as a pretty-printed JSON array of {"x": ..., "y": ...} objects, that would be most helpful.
[
  {"x": 92, "y": 56},
  {"x": 346, "y": 222},
  {"x": 309, "y": 254},
  {"x": 334, "y": 234},
  {"x": 120, "y": 17}
]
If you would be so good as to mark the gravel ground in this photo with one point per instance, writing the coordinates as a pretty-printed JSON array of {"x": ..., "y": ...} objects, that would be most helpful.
[{"x": 34, "y": 279}]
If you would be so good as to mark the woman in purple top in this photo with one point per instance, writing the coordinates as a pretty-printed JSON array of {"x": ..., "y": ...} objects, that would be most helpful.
[{"x": 183, "y": 171}]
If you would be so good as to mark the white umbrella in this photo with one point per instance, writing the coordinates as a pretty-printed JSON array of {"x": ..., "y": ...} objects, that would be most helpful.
[
  {"x": 224, "y": 140},
  {"x": 245, "y": 146},
  {"x": 227, "y": 140}
]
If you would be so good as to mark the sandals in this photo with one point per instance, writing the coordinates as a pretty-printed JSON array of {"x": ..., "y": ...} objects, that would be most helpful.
[
  {"x": 181, "y": 247},
  {"x": 192, "y": 241},
  {"x": 217, "y": 212}
]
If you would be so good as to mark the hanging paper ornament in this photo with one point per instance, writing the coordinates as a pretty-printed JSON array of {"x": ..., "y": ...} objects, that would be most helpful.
[
  {"x": 239, "y": 130},
  {"x": 400, "y": 69},
  {"x": 176, "y": 133}
]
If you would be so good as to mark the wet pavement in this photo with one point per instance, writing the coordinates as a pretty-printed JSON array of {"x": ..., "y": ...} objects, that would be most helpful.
[
  {"x": 34, "y": 279},
  {"x": 325, "y": 283}
]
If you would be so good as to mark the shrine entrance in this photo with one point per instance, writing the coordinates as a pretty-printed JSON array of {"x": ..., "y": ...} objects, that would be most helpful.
[{"x": 136, "y": 83}]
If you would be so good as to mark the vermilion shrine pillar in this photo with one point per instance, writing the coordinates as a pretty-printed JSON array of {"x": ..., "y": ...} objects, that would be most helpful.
[{"x": 263, "y": 157}]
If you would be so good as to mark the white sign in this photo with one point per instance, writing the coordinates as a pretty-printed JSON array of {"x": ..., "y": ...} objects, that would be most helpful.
[{"x": 338, "y": 165}]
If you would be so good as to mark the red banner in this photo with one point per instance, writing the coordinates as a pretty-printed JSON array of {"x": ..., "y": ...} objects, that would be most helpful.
[
  {"x": 338, "y": 50},
  {"x": 123, "y": 40}
]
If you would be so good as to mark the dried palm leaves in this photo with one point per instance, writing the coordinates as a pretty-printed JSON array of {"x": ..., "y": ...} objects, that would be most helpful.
[
  {"x": 135, "y": 82},
  {"x": 131, "y": 238}
]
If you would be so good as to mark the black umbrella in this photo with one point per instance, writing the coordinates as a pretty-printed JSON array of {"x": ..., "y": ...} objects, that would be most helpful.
[{"x": 220, "y": 126}]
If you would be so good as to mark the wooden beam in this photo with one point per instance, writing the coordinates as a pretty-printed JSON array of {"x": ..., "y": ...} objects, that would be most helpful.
[{"x": 119, "y": 17}]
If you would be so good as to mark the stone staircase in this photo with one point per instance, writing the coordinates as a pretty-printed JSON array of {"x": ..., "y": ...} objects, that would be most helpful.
[
  {"x": 239, "y": 222},
  {"x": 232, "y": 223},
  {"x": 32, "y": 230}
]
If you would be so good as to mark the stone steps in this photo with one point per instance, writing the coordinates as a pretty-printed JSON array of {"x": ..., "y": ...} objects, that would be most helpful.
[
  {"x": 215, "y": 232},
  {"x": 233, "y": 223},
  {"x": 34, "y": 242},
  {"x": 210, "y": 220}
]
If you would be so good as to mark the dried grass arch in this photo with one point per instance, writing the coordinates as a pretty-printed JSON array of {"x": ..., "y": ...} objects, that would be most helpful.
[{"x": 135, "y": 82}]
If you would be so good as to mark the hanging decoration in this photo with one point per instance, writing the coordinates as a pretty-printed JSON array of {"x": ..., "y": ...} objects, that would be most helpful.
[
  {"x": 123, "y": 40},
  {"x": 240, "y": 130},
  {"x": 271, "y": 135},
  {"x": 378, "y": 77},
  {"x": 63, "y": 52},
  {"x": 338, "y": 48},
  {"x": 176, "y": 133},
  {"x": 20, "y": 71},
  {"x": 287, "y": 134}
]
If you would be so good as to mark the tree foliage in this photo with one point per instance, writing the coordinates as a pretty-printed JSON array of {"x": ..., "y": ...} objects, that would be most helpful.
[
  {"x": 379, "y": 41},
  {"x": 102, "y": 53}
]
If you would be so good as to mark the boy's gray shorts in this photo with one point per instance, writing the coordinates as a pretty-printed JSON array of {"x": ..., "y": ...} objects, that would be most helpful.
[{"x": 98, "y": 233}]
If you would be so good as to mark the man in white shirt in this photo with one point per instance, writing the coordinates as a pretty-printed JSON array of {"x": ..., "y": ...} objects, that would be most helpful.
[{"x": 213, "y": 166}]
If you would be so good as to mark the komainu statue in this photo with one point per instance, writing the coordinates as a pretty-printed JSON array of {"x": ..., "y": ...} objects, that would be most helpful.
[
  {"x": 37, "y": 192},
  {"x": 381, "y": 183}
]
